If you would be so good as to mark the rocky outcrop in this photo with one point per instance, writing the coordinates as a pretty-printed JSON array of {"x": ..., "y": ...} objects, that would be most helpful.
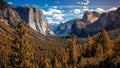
[
  {"x": 64, "y": 28},
  {"x": 109, "y": 21},
  {"x": 80, "y": 24},
  {"x": 77, "y": 27},
  {"x": 8, "y": 15},
  {"x": 90, "y": 17},
  {"x": 91, "y": 23},
  {"x": 53, "y": 26},
  {"x": 31, "y": 16},
  {"x": 34, "y": 18}
]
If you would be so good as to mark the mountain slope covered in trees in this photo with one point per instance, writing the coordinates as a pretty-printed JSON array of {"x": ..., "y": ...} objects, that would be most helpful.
[{"x": 23, "y": 47}]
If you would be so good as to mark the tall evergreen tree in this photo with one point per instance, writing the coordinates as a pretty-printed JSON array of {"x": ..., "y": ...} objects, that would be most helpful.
[
  {"x": 89, "y": 41},
  {"x": 104, "y": 39},
  {"x": 64, "y": 56},
  {"x": 2, "y": 58},
  {"x": 73, "y": 53},
  {"x": 89, "y": 46},
  {"x": 99, "y": 52},
  {"x": 46, "y": 63},
  {"x": 56, "y": 63},
  {"x": 22, "y": 55}
]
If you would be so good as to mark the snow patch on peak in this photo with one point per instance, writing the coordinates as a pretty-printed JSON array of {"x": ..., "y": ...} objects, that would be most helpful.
[{"x": 111, "y": 9}]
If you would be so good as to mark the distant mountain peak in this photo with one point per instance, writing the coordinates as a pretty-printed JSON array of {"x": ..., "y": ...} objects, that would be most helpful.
[{"x": 90, "y": 17}]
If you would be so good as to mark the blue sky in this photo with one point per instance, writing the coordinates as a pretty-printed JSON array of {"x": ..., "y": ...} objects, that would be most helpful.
[{"x": 57, "y": 11}]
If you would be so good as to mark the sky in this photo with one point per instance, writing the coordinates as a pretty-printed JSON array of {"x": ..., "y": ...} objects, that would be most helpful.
[{"x": 60, "y": 11}]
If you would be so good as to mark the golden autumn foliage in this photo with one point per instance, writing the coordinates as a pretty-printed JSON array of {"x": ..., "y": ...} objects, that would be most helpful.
[
  {"x": 73, "y": 53},
  {"x": 46, "y": 63},
  {"x": 107, "y": 44},
  {"x": 22, "y": 55},
  {"x": 29, "y": 49}
]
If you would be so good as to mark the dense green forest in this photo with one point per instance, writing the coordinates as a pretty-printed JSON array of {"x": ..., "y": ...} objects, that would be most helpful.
[{"x": 98, "y": 51}]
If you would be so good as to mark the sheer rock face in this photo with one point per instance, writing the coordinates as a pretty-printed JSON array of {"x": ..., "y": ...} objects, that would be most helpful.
[
  {"x": 34, "y": 18},
  {"x": 109, "y": 21},
  {"x": 29, "y": 15},
  {"x": 77, "y": 27},
  {"x": 90, "y": 17},
  {"x": 8, "y": 15},
  {"x": 92, "y": 23}
]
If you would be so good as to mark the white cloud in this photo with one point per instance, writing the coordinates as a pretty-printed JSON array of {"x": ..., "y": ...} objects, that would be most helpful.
[
  {"x": 55, "y": 7},
  {"x": 111, "y": 9},
  {"x": 51, "y": 11},
  {"x": 9, "y": 2},
  {"x": 85, "y": 2},
  {"x": 58, "y": 16},
  {"x": 55, "y": 11},
  {"x": 99, "y": 10},
  {"x": 48, "y": 18},
  {"x": 54, "y": 15},
  {"x": 77, "y": 11},
  {"x": 85, "y": 8}
]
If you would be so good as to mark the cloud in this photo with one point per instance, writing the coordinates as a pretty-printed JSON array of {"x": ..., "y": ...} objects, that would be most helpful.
[
  {"x": 77, "y": 11},
  {"x": 55, "y": 7},
  {"x": 54, "y": 15},
  {"x": 111, "y": 9},
  {"x": 85, "y": 8},
  {"x": 99, "y": 10},
  {"x": 58, "y": 16},
  {"x": 51, "y": 11},
  {"x": 9, "y": 2},
  {"x": 85, "y": 2},
  {"x": 50, "y": 20}
]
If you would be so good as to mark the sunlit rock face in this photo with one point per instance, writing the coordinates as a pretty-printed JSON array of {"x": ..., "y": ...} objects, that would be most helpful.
[
  {"x": 109, "y": 21},
  {"x": 8, "y": 15},
  {"x": 93, "y": 22},
  {"x": 90, "y": 17},
  {"x": 29, "y": 15},
  {"x": 34, "y": 18}
]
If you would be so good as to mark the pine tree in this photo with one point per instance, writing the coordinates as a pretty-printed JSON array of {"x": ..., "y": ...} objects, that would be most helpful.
[
  {"x": 22, "y": 55},
  {"x": 73, "y": 53},
  {"x": 89, "y": 41},
  {"x": 89, "y": 46},
  {"x": 46, "y": 63},
  {"x": 56, "y": 63},
  {"x": 104, "y": 39},
  {"x": 64, "y": 56},
  {"x": 117, "y": 46},
  {"x": 99, "y": 52},
  {"x": 3, "y": 63}
]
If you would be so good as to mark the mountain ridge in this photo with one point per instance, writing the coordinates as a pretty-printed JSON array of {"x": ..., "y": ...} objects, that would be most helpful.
[
  {"x": 30, "y": 15},
  {"x": 93, "y": 22}
]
